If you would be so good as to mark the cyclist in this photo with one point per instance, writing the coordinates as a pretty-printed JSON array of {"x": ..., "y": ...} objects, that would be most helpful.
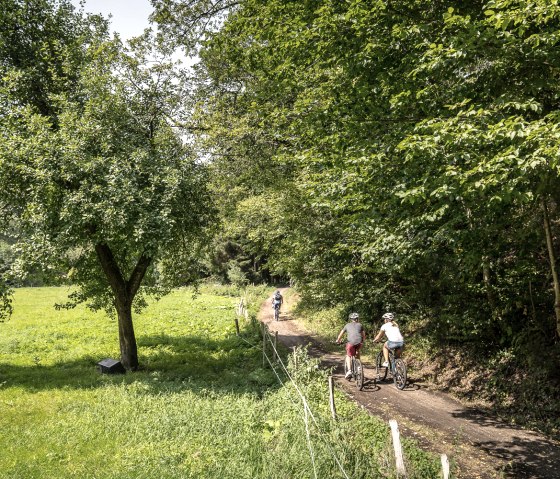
[
  {"x": 356, "y": 337},
  {"x": 277, "y": 300},
  {"x": 395, "y": 339}
]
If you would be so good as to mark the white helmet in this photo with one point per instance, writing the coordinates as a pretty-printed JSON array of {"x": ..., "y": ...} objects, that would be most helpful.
[
  {"x": 388, "y": 316},
  {"x": 353, "y": 316}
]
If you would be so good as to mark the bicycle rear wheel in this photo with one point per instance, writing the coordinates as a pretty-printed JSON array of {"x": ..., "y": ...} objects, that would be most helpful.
[
  {"x": 380, "y": 371},
  {"x": 399, "y": 376},
  {"x": 358, "y": 374}
]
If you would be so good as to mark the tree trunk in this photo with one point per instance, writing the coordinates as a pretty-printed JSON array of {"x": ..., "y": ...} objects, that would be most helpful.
[
  {"x": 552, "y": 258},
  {"x": 124, "y": 293},
  {"x": 127, "y": 339}
]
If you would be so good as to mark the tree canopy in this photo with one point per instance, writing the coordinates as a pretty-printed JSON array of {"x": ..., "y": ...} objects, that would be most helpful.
[
  {"x": 411, "y": 149},
  {"x": 103, "y": 191}
]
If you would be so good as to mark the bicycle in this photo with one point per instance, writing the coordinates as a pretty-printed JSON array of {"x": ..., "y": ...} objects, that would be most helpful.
[
  {"x": 397, "y": 368},
  {"x": 357, "y": 371},
  {"x": 276, "y": 311}
]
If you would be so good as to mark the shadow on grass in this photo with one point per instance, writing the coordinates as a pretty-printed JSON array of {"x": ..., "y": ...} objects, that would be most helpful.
[{"x": 167, "y": 363}]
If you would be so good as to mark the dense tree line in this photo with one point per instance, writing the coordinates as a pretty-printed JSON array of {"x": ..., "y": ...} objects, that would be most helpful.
[
  {"x": 389, "y": 154},
  {"x": 378, "y": 154}
]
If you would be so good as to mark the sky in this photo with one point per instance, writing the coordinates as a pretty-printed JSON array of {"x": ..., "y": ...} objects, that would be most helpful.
[{"x": 130, "y": 17}]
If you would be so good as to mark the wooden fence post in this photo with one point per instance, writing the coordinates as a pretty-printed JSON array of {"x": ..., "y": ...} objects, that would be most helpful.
[
  {"x": 331, "y": 397},
  {"x": 237, "y": 325},
  {"x": 445, "y": 466},
  {"x": 401, "y": 471},
  {"x": 276, "y": 356},
  {"x": 238, "y": 313}
]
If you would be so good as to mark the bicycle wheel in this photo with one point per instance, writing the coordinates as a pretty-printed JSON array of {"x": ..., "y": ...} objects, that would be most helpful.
[
  {"x": 276, "y": 314},
  {"x": 399, "y": 375},
  {"x": 380, "y": 371},
  {"x": 358, "y": 374}
]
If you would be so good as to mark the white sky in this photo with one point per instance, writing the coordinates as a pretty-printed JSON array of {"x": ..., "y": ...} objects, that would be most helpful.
[{"x": 130, "y": 17}]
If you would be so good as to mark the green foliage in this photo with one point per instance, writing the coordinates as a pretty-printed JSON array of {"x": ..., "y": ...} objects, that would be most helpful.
[
  {"x": 42, "y": 46},
  {"x": 101, "y": 189},
  {"x": 5, "y": 291},
  {"x": 202, "y": 406},
  {"x": 409, "y": 147}
]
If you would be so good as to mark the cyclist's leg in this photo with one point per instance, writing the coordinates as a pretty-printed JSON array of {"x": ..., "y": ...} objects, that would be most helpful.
[
  {"x": 358, "y": 347},
  {"x": 386, "y": 351},
  {"x": 350, "y": 351}
]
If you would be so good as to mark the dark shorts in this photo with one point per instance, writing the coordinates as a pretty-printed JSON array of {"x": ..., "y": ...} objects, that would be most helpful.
[{"x": 352, "y": 349}]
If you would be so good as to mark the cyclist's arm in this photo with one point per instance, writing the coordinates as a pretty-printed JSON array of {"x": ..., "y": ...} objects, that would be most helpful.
[
  {"x": 378, "y": 337},
  {"x": 363, "y": 335},
  {"x": 340, "y": 335}
]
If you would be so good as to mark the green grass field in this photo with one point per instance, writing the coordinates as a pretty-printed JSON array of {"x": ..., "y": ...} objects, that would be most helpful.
[{"x": 202, "y": 406}]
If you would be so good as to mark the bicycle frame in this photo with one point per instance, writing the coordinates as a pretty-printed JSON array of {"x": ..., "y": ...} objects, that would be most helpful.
[
  {"x": 397, "y": 367},
  {"x": 357, "y": 371}
]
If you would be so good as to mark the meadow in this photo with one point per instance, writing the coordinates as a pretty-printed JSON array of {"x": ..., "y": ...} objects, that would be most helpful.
[{"x": 202, "y": 405}]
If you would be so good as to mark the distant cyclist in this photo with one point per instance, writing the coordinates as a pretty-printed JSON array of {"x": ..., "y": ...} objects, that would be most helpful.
[
  {"x": 356, "y": 337},
  {"x": 395, "y": 339},
  {"x": 277, "y": 300}
]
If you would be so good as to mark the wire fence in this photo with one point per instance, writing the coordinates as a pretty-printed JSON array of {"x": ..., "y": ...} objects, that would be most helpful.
[{"x": 278, "y": 366}]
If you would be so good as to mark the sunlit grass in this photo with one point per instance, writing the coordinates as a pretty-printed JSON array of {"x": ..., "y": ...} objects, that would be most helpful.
[{"x": 201, "y": 406}]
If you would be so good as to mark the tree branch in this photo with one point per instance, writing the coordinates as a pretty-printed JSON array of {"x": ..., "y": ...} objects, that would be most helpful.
[
  {"x": 111, "y": 270},
  {"x": 138, "y": 274}
]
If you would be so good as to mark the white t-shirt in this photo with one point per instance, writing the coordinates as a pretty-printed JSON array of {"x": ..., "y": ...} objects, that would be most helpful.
[{"x": 392, "y": 332}]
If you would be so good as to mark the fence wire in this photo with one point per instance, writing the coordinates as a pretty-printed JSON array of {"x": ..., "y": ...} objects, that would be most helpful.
[{"x": 306, "y": 409}]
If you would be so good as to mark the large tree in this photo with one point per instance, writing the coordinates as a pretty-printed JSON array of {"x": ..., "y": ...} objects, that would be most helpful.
[{"x": 108, "y": 192}]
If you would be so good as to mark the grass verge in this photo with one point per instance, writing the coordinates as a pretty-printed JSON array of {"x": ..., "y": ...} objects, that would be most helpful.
[{"x": 201, "y": 406}]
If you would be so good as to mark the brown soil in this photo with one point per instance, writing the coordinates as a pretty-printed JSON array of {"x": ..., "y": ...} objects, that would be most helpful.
[{"x": 478, "y": 446}]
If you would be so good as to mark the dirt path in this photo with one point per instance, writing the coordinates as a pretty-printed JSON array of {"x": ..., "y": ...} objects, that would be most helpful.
[{"x": 480, "y": 446}]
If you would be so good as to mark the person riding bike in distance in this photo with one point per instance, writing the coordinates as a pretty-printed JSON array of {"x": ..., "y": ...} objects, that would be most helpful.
[
  {"x": 277, "y": 300},
  {"x": 395, "y": 339},
  {"x": 356, "y": 337}
]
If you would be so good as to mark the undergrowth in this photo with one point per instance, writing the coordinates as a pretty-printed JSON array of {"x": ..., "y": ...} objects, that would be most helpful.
[{"x": 506, "y": 383}]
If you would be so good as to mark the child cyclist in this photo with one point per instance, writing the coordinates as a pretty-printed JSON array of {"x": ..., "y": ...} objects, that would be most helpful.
[
  {"x": 395, "y": 339},
  {"x": 356, "y": 337}
]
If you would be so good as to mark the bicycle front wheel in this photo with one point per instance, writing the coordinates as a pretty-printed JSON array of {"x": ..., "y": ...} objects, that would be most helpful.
[
  {"x": 359, "y": 374},
  {"x": 380, "y": 371},
  {"x": 276, "y": 314},
  {"x": 399, "y": 375}
]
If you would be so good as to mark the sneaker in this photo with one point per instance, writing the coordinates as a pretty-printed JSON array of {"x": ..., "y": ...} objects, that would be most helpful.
[
  {"x": 348, "y": 375},
  {"x": 385, "y": 364}
]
